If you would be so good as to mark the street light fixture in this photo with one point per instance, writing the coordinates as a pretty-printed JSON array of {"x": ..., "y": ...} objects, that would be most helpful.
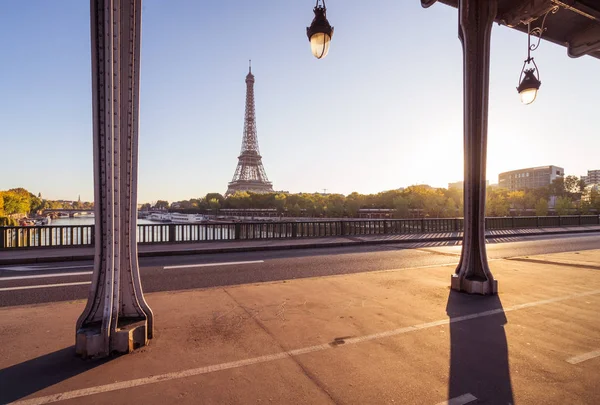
[
  {"x": 320, "y": 32},
  {"x": 530, "y": 83},
  {"x": 529, "y": 80}
]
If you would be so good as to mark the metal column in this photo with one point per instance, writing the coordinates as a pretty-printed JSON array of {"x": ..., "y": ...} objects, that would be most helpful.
[
  {"x": 116, "y": 317},
  {"x": 475, "y": 27}
]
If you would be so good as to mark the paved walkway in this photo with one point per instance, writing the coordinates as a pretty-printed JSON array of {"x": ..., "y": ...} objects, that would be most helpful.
[
  {"x": 38, "y": 255},
  {"x": 390, "y": 337}
]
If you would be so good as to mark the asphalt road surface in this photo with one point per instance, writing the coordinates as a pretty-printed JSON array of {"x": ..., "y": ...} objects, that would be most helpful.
[{"x": 39, "y": 283}]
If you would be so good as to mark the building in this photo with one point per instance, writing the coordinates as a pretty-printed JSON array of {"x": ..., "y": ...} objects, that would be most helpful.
[
  {"x": 532, "y": 177},
  {"x": 593, "y": 177},
  {"x": 250, "y": 174}
]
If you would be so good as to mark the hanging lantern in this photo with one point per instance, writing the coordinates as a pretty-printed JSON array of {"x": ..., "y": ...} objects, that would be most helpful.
[
  {"x": 320, "y": 32},
  {"x": 529, "y": 80}
]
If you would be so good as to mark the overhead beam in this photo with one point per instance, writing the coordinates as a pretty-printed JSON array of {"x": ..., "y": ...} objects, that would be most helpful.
[
  {"x": 584, "y": 42},
  {"x": 573, "y": 30}
]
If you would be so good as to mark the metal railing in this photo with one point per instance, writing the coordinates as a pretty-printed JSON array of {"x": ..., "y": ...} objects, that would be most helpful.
[{"x": 83, "y": 235}]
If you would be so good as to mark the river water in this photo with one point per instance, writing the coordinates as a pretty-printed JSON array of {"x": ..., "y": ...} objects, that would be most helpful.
[
  {"x": 159, "y": 233},
  {"x": 89, "y": 220}
]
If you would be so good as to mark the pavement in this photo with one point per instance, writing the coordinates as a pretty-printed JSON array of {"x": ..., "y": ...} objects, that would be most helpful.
[
  {"x": 50, "y": 254},
  {"x": 398, "y": 336}
]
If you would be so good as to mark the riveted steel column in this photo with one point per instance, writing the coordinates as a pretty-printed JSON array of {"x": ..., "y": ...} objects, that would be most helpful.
[
  {"x": 116, "y": 317},
  {"x": 475, "y": 27}
]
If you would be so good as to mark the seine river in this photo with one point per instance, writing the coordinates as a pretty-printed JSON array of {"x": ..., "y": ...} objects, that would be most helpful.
[
  {"x": 159, "y": 233},
  {"x": 89, "y": 221}
]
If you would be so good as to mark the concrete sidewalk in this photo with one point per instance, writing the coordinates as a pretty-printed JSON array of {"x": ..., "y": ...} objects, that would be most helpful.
[
  {"x": 41, "y": 255},
  {"x": 390, "y": 337}
]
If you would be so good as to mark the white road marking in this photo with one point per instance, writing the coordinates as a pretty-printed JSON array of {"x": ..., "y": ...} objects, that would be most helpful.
[
  {"x": 584, "y": 357},
  {"x": 186, "y": 266},
  {"x": 30, "y": 287},
  {"x": 461, "y": 400},
  {"x": 36, "y": 268},
  {"x": 84, "y": 273},
  {"x": 282, "y": 355}
]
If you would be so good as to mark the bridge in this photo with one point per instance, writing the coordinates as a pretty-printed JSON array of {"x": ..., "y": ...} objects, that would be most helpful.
[
  {"x": 403, "y": 334},
  {"x": 70, "y": 211}
]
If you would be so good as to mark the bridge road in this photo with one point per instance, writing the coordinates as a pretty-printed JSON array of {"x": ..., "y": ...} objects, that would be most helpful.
[{"x": 39, "y": 283}]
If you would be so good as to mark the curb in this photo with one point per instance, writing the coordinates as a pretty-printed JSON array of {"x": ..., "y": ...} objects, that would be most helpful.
[{"x": 167, "y": 253}]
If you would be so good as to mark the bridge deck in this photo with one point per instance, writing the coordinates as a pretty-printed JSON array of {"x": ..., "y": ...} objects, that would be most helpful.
[{"x": 396, "y": 336}]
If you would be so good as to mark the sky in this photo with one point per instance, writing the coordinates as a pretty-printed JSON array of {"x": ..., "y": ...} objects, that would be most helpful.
[{"x": 383, "y": 110}]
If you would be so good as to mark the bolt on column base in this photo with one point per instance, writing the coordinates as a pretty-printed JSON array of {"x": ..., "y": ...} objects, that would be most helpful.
[
  {"x": 130, "y": 335},
  {"x": 487, "y": 287}
]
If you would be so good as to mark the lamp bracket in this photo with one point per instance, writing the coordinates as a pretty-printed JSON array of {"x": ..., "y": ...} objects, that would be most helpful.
[{"x": 538, "y": 31}]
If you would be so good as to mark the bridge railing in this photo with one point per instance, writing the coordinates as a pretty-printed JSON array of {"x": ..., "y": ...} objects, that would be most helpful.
[
  {"x": 46, "y": 236},
  {"x": 12, "y": 237}
]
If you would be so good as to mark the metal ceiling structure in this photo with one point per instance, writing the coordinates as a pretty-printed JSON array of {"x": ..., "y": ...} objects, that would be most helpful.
[{"x": 576, "y": 24}]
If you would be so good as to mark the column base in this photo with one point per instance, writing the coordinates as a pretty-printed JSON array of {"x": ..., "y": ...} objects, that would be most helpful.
[
  {"x": 129, "y": 336},
  {"x": 487, "y": 287}
]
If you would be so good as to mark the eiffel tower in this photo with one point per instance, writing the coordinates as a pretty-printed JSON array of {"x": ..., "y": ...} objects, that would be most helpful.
[{"x": 250, "y": 174}]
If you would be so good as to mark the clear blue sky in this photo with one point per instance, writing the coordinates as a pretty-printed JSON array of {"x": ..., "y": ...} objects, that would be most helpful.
[{"x": 383, "y": 110}]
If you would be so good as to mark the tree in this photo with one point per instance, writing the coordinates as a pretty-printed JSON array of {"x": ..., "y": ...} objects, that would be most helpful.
[
  {"x": 573, "y": 187},
  {"x": 434, "y": 204},
  {"x": 217, "y": 196},
  {"x": 36, "y": 203},
  {"x": 450, "y": 209},
  {"x": 401, "y": 207},
  {"x": 161, "y": 204},
  {"x": 16, "y": 202},
  {"x": 541, "y": 207},
  {"x": 557, "y": 188},
  {"x": 497, "y": 204},
  {"x": 214, "y": 205},
  {"x": 146, "y": 207},
  {"x": 563, "y": 205},
  {"x": 280, "y": 202},
  {"x": 584, "y": 207},
  {"x": 353, "y": 203},
  {"x": 294, "y": 210},
  {"x": 595, "y": 199},
  {"x": 517, "y": 200},
  {"x": 240, "y": 199}
]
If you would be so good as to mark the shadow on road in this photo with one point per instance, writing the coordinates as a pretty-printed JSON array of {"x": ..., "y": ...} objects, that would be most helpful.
[
  {"x": 34, "y": 375},
  {"x": 478, "y": 349}
]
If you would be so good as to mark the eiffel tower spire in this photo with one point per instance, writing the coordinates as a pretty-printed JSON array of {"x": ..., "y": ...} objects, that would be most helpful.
[{"x": 250, "y": 174}]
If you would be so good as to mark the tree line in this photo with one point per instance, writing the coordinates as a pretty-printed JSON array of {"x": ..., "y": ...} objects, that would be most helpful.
[
  {"x": 569, "y": 195},
  {"x": 22, "y": 202}
]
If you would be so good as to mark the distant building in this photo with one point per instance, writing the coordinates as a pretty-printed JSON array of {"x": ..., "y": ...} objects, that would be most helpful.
[
  {"x": 459, "y": 185},
  {"x": 593, "y": 177},
  {"x": 532, "y": 177},
  {"x": 587, "y": 193}
]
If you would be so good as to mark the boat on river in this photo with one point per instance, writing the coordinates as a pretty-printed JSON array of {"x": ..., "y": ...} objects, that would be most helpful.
[
  {"x": 160, "y": 217},
  {"x": 177, "y": 218},
  {"x": 43, "y": 221},
  {"x": 187, "y": 218}
]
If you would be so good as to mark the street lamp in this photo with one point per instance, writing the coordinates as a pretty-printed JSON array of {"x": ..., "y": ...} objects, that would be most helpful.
[
  {"x": 320, "y": 32},
  {"x": 529, "y": 80},
  {"x": 529, "y": 85}
]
